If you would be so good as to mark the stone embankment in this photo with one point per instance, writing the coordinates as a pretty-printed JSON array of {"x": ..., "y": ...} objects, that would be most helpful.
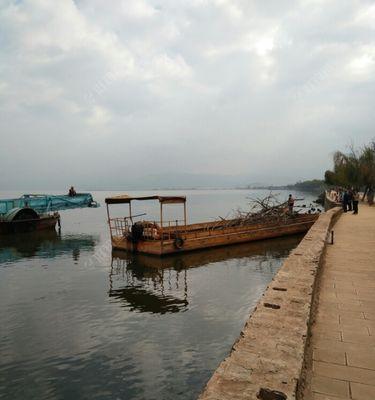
[{"x": 267, "y": 359}]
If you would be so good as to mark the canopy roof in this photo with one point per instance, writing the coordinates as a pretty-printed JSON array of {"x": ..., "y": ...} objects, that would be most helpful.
[
  {"x": 43, "y": 203},
  {"x": 162, "y": 199}
]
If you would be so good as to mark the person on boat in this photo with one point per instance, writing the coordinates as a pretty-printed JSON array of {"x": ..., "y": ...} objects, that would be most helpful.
[
  {"x": 355, "y": 202},
  {"x": 72, "y": 191},
  {"x": 290, "y": 203}
]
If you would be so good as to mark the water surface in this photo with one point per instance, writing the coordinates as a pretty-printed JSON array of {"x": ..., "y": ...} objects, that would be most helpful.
[{"x": 78, "y": 322}]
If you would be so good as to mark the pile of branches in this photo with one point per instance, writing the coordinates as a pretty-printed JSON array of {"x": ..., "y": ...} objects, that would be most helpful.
[{"x": 268, "y": 209}]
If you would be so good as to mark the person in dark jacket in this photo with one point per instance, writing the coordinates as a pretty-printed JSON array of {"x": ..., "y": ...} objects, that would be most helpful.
[
  {"x": 350, "y": 199},
  {"x": 72, "y": 192},
  {"x": 370, "y": 196},
  {"x": 345, "y": 201}
]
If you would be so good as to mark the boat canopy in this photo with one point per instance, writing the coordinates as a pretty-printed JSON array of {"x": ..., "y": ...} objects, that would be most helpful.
[
  {"x": 43, "y": 203},
  {"x": 125, "y": 199}
]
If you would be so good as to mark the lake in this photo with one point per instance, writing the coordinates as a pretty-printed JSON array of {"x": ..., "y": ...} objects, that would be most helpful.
[{"x": 78, "y": 322}]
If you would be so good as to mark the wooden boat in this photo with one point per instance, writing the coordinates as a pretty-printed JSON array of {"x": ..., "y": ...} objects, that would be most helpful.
[
  {"x": 27, "y": 220},
  {"x": 167, "y": 237}
]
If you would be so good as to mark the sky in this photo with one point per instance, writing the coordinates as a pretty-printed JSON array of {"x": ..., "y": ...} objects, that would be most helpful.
[{"x": 105, "y": 94}]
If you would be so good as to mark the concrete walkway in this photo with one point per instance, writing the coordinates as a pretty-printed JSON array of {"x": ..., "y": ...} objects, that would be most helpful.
[{"x": 343, "y": 336}]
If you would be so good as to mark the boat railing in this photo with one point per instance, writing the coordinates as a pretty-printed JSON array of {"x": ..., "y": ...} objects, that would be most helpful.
[
  {"x": 172, "y": 229},
  {"x": 151, "y": 230},
  {"x": 119, "y": 226},
  {"x": 162, "y": 230}
]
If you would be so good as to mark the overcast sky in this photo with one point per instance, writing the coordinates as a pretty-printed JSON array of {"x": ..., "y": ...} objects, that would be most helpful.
[{"x": 97, "y": 92}]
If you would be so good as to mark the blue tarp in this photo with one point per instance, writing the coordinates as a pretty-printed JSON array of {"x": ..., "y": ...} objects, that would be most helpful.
[{"x": 43, "y": 203}]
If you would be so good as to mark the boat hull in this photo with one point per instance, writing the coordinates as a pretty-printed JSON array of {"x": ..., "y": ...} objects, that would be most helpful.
[
  {"x": 201, "y": 239},
  {"x": 45, "y": 222}
]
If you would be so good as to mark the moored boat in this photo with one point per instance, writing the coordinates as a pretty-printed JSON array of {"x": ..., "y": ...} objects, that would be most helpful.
[
  {"x": 167, "y": 237},
  {"x": 34, "y": 212},
  {"x": 27, "y": 220}
]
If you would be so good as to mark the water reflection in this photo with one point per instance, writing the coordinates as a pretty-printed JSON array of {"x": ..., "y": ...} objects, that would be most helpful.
[
  {"x": 144, "y": 283},
  {"x": 145, "y": 289},
  {"x": 44, "y": 245}
]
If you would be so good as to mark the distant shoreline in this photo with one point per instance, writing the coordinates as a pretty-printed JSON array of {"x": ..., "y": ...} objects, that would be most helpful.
[
  {"x": 132, "y": 189},
  {"x": 313, "y": 186}
]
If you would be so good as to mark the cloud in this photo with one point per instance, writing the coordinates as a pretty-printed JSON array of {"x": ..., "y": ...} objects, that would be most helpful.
[
  {"x": 215, "y": 86},
  {"x": 99, "y": 116},
  {"x": 138, "y": 9},
  {"x": 362, "y": 65}
]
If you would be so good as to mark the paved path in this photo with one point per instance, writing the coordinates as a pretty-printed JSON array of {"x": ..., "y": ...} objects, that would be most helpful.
[{"x": 343, "y": 337}]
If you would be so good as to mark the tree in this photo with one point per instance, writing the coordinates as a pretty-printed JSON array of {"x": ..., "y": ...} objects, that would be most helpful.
[
  {"x": 367, "y": 166},
  {"x": 356, "y": 168},
  {"x": 330, "y": 178}
]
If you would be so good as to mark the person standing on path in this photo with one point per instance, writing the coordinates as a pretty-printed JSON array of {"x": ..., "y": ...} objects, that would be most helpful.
[
  {"x": 350, "y": 199},
  {"x": 345, "y": 201},
  {"x": 370, "y": 196},
  {"x": 355, "y": 202}
]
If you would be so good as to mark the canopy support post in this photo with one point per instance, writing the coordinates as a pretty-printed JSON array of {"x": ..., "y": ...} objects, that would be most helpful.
[
  {"x": 161, "y": 222},
  {"x": 185, "y": 214},
  {"x": 109, "y": 221}
]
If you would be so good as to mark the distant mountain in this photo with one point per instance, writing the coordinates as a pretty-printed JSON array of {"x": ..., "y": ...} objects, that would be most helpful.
[
  {"x": 115, "y": 180},
  {"x": 314, "y": 185},
  {"x": 168, "y": 181},
  {"x": 188, "y": 181}
]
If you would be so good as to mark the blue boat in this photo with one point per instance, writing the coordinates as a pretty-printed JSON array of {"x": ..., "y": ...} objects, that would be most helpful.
[{"x": 32, "y": 212}]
